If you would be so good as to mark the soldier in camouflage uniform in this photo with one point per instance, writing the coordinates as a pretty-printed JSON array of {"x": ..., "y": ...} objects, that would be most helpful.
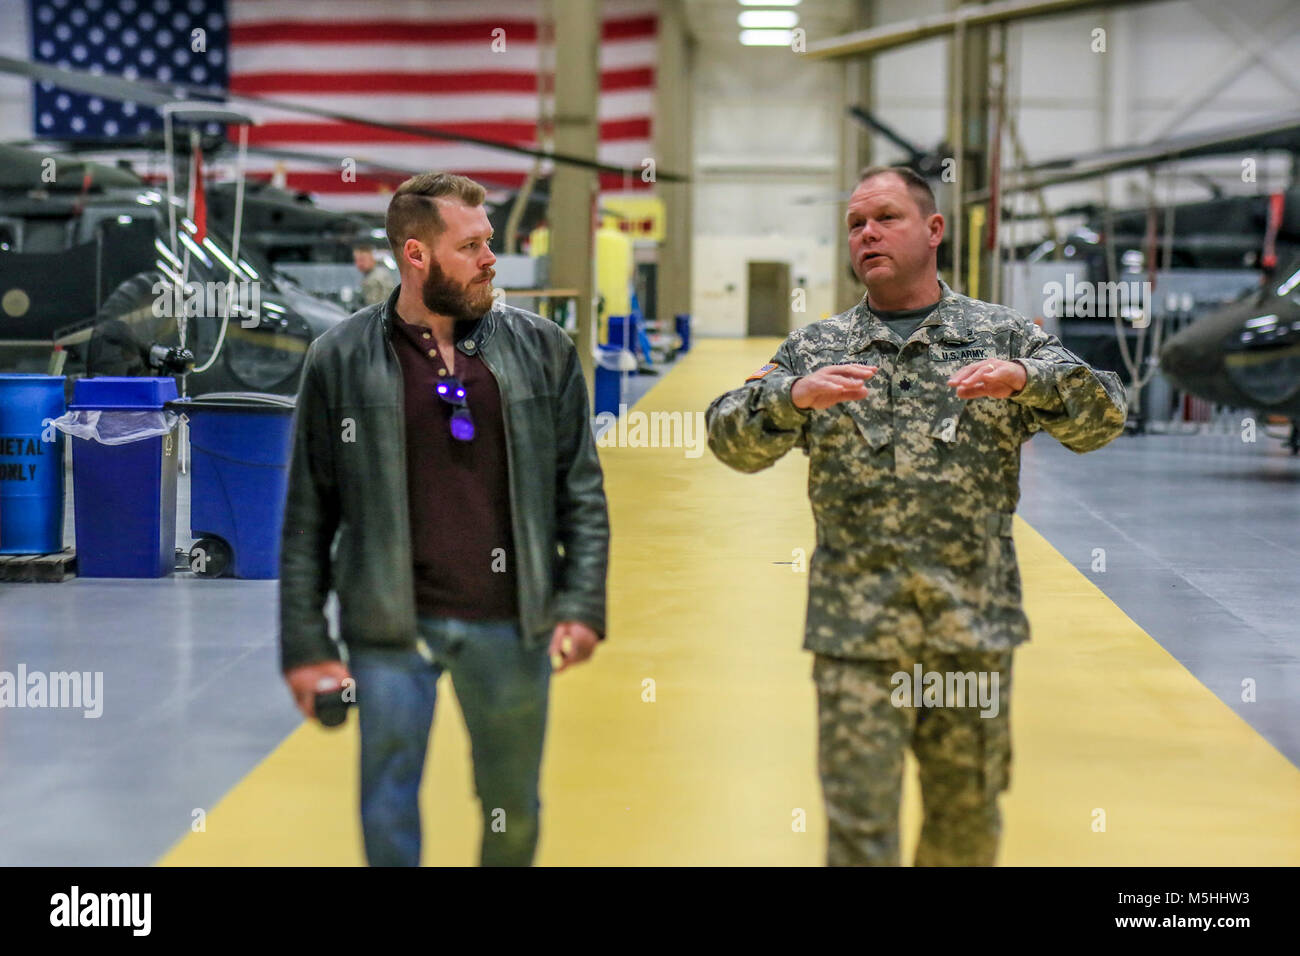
[
  {"x": 377, "y": 280},
  {"x": 914, "y": 447}
]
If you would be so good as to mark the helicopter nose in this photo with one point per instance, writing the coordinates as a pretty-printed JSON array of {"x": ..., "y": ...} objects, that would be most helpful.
[{"x": 1191, "y": 354}]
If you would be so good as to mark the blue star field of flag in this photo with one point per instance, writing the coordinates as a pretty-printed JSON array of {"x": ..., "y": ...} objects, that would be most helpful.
[{"x": 135, "y": 39}]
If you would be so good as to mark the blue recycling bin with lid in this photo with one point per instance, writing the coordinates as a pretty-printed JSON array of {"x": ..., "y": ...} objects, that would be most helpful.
[
  {"x": 240, "y": 445},
  {"x": 124, "y": 495},
  {"x": 31, "y": 464}
]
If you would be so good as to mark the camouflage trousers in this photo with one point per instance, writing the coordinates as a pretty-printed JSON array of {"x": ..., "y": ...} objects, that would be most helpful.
[{"x": 865, "y": 720}]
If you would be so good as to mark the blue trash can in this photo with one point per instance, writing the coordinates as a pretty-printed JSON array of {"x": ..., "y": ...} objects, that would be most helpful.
[
  {"x": 683, "y": 320},
  {"x": 612, "y": 363},
  {"x": 124, "y": 495},
  {"x": 241, "y": 443},
  {"x": 31, "y": 468},
  {"x": 623, "y": 331}
]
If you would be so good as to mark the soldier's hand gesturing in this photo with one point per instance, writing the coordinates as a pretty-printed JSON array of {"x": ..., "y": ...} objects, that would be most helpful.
[
  {"x": 831, "y": 385},
  {"x": 989, "y": 378}
]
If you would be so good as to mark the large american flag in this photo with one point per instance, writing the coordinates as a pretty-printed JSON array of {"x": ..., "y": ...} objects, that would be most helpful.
[
  {"x": 466, "y": 66},
  {"x": 137, "y": 39}
]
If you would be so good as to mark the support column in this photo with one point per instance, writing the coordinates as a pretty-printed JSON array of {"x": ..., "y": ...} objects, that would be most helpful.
[
  {"x": 574, "y": 190},
  {"x": 968, "y": 132},
  {"x": 673, "y": 124},
  {"x": 855, "y": 154}
]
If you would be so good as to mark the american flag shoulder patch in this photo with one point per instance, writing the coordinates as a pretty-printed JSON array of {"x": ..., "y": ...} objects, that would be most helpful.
[{"x": 762, "y": 371}]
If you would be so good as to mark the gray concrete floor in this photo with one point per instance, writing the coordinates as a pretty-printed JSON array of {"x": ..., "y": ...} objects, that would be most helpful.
[
  {"x": 1202, "y": 543},
  {"x": 192, "y": 700},
  {"x": 1202, "y": 551}
]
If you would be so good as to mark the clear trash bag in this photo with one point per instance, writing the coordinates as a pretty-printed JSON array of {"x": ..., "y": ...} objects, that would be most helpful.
[
  {"x": 616, "y": 360},
  {"x": 115, "y": 426}
]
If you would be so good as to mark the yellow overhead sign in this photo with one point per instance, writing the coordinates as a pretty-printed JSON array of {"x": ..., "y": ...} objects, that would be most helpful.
[{"x": 637, "y": 217}]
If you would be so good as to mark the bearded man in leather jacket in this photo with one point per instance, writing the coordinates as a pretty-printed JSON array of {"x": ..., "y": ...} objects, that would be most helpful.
[{"x": 445, "y": 486}]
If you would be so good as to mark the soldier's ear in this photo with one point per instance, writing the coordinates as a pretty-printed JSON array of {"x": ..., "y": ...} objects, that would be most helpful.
[{"x": 936, "y": 230}]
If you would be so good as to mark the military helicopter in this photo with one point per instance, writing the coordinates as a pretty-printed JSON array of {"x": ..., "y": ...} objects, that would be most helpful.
[
  {"x": 282, "y": 224},
  {"x": 87, "y": 262},
  {"x": 1239, "y": 231},
  {"x": 111, "y": 249},
  {"x": 1247, "y": 354}
]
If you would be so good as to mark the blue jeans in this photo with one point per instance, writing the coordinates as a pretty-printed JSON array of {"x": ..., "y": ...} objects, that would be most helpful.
[{"x": 502, "y": 690}]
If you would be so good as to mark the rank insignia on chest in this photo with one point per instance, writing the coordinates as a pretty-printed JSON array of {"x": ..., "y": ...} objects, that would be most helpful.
[{"x": 762, "y": 371}]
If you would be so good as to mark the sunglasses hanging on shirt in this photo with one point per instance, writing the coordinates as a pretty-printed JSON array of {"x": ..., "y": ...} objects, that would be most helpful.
[{"x": 451, "y": 391}]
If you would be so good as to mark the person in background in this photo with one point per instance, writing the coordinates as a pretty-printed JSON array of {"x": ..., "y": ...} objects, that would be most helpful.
[{"x": 377, "y": 280}]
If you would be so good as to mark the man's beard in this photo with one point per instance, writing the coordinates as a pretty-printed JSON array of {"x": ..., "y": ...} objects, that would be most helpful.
[{"x": 463, "y": 303}]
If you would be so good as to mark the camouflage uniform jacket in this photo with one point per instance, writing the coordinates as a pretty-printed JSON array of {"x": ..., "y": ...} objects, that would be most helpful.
[
  {"x": 376, "y": 284},
  {"x": 912, "y": 488}
]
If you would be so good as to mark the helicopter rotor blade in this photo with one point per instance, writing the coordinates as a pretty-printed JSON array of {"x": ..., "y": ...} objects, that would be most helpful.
[
  {"x": 1280, "y": 132},
  {"x": 872, "y": 122},
  {"x": 156, "y": 93}
]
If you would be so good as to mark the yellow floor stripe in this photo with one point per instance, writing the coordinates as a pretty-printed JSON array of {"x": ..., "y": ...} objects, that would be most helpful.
[{"x": 718, "y": 768}]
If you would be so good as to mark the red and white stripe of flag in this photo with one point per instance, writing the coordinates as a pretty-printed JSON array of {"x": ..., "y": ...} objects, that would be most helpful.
[{"x": 431, "y": 64}]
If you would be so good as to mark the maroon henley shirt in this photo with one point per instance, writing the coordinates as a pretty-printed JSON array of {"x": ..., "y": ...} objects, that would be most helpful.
[{"x": 459, "y": 491}]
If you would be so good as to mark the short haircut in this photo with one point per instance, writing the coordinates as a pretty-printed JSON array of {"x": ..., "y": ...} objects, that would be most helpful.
[
  {"x": 413, "y": 210},
  {"x": 921, "y": 192}
]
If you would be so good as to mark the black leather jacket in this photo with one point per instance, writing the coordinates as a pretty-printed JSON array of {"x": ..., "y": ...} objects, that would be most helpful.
[{"x": 346, "y": 520}]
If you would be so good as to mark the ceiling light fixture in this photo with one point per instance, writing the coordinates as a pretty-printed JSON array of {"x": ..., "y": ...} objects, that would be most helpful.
[
  {"x": 766, "y": 37},
  {"x": 762, "y": 19}
]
